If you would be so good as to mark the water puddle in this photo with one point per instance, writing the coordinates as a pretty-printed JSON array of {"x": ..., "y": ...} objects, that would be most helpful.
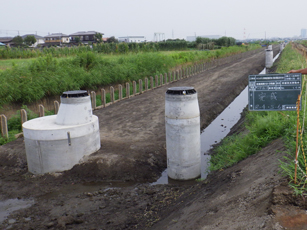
[
  {"x": 11, "y": 205},
  {"x": 220, "y": 127},
  {"x": 86, "y": 188},
  {"x": 274, "y": 59}
]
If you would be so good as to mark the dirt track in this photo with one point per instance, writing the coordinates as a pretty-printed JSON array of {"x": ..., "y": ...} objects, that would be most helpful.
[
  {"x": 133, "y": 130},
  {"x": 133, "y": 149}
]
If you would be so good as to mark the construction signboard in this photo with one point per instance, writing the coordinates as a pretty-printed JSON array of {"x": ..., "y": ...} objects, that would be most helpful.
[{"x": 274, "y": 92}]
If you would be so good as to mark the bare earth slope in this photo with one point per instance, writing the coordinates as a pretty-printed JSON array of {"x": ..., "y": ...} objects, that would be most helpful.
[{"x": 237, "y": 198}]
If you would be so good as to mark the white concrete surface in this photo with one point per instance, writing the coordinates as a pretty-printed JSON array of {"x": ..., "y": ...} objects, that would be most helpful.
[{"x": 182, "y": 124}]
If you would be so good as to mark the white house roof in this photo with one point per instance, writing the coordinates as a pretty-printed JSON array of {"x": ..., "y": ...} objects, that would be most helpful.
[
  {"x": 56, "y": 35},
  {"x": 132, "y": 37},
  {"x": 35, "y": 35}
]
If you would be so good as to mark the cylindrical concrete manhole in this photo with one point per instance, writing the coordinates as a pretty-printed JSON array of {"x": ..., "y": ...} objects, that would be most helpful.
[
  {"x": 56, "y": 143},
  {"x": 182, "y": 124}
]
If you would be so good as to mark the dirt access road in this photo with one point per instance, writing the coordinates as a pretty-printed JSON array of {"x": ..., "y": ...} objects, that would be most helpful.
[{"x": 105, "y": 191}]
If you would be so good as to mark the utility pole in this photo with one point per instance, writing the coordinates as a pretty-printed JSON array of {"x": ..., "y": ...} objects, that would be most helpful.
[
  {"x": 264, "y": 36},
  {"x": 244, "y": 37}
]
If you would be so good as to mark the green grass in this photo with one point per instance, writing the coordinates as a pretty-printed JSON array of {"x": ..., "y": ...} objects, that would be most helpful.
[
  {"x": 103, "y": 48},
  {"x": 31, "y": 80},
  {"x": 9, "y": 63},
  {"x": 14, "y": 124},
  {"x": 11, "y": 134},
  {"x": 264, "y": 127},
  {"x": 18, "y": 62}
]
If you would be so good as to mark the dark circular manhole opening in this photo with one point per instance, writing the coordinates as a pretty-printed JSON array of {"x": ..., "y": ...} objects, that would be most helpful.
[
  {"x": 181, "y": 91},
  {"x": 75, "y": 93}
]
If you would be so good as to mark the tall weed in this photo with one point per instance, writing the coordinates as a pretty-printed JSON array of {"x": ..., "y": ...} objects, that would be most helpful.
[{"x": 47, "y": 76}]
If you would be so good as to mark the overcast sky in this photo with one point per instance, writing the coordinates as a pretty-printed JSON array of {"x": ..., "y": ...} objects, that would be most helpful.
[{"x": 174, "y": 18}]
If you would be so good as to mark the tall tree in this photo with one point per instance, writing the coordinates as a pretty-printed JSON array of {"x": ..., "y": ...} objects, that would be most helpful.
[
  {"x": 77, "y": 39},
  {"x": 200, "y": 40},
  {"x": 98, "y": 37},
  {"x": 30, "y": 40},
  {"x": 18, "y": 40},
  {"x": 112, "y": 40}
]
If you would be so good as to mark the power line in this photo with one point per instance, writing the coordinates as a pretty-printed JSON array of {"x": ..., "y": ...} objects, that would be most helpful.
[{"x": 5, "y": 32}]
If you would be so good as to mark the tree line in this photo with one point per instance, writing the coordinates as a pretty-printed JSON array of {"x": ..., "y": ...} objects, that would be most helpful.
[
  {"x": 113, "y": 46},
  {"x": 207, "y": 43},
  {"x": 27, "y": 41}
]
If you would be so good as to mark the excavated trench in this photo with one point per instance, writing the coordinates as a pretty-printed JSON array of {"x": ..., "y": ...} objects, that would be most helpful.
[{"x": 215, "y": 132}]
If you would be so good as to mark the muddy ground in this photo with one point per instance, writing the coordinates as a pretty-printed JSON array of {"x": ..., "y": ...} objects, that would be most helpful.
[{"x": 111, "y": 188}]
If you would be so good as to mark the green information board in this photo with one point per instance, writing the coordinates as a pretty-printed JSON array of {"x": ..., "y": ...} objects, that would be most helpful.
[{"x": 269, "y": 92}]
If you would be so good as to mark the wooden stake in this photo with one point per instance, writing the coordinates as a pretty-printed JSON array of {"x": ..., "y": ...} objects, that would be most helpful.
[
  {"x": 134, "y": 88},
  {"x": 23, "y": 116},
  {"x": 140, "y": 86},
  {"x": 120, "y": 92},
  {"x": 4, "y": 129},
  {"x": 41, "y": 110},
  {"x": 146, "y": 83},
  {"x": 103, "y": 98},
  {"x": 93, "y": 96},
  {"x": 112, "y": 94},
  {"x": 56, "y": 107}
]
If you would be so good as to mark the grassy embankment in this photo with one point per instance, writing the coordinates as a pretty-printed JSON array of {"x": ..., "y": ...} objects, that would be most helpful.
[
  {"x": 264, "y": 127},
  {"x": 28, "y": 80},
  {"x": 48, "y": 76}
]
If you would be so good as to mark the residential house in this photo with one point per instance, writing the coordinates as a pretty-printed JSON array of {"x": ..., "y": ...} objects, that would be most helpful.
[
  {"x": 39, "y": 39},
  {"x": 6, "y": 40},
  {"x": 85, "y": 37},
  {"x": 136, "y": 39},
  {"x": 56, "y": 39}
]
